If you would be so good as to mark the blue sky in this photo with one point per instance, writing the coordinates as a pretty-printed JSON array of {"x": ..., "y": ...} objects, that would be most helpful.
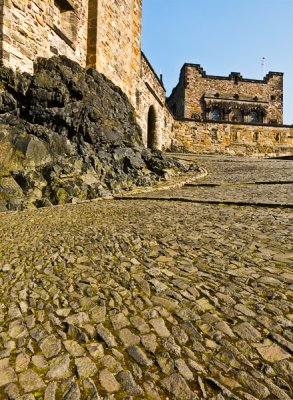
[{"x": 223, "y": 36}]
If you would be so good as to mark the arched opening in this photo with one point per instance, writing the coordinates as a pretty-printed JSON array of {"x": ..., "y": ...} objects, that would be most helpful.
[
  {"x": 216, "y": 114},
  {"x": 92, "y": 33},
  {"x": 152, "y": 140},
  {"x": 236, "y": 115},
  {"x": 254, "y": 117}
]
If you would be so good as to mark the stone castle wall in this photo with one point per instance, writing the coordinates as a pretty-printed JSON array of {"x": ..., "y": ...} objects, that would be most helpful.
[
  {"x": 42, "y": 28},
  {"x": 105, "y": 35},
  {"x": 151, "y": 98},
  {"x": 244, "y": 139},
  {"x": 101, "y": 34},
  {"x": 118, "y": 43},
  {"x": 195, "y": 88}
]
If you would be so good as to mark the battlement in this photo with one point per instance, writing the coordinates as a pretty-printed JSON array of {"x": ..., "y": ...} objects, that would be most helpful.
[
  {"x": 231, "y": 98},
  {"x": 232, "y": 76}
]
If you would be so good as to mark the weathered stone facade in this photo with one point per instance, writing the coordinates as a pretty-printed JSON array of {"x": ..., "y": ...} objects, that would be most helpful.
[
  {"x": 105, "y": 35},
  {"x": 205, "y": 97},
  {"x": 42, "y": 28},
  {"x": 229, "y": 114},
  {"x": 101, "y": 34},
  {"x": 115, "y": 41},
  {"x": 232, "y": 138}
]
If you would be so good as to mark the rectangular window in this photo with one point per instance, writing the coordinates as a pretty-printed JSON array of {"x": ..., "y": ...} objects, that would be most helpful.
[
  {"x": 234, "y": 135},
  {"x": 65, "y": 21},
  {"x": 214, "y": 135},
  {"x": 255, "y": 136}
]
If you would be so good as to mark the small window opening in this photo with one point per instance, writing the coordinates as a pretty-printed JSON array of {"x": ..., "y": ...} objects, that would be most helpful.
[
  {"x": 236, "y": 115},
  {"x": 195, "y": 116},
  {"x": 273, "y": 122},
  {"x": 255, "y": 136},
  {"x": 216, "y": 114},
  {"x": 65, "y": 21},
  {"x": 214, "y": 135},
  {"x": 234, "y": 135},
  {"x": 254, "y": 117}
]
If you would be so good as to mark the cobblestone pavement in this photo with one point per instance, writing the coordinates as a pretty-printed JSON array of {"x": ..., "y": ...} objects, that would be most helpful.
[
  {"x": 239, "y": 180},
  {"x": 143, "y": 299}
]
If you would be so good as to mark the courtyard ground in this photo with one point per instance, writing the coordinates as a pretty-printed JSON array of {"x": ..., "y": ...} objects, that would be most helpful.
[{"x": 182, "y": 294}]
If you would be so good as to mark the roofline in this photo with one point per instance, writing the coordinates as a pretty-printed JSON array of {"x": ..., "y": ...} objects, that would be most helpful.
[
  {"x": 153, "y": 71},
  {"x": 199, "y": 68}
]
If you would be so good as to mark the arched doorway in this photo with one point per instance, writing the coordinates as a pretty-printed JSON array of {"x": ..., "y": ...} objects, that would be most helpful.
[{"x": 152, "y": 139}]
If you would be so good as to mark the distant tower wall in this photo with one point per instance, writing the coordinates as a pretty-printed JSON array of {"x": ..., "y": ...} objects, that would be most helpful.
[
  {"x": 42, "y": 28},
  {"x": 176, "y": 101},
  {"x": 198, "y": 94}
]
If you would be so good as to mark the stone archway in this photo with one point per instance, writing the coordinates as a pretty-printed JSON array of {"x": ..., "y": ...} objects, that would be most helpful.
[{"x": 152, "y": 135}]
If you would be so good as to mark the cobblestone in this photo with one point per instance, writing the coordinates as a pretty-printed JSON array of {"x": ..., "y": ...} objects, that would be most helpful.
[{"x": 152, "y": 299}]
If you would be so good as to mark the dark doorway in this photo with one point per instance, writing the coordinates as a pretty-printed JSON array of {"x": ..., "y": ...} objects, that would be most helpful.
[{"x": 152, "y": 134}]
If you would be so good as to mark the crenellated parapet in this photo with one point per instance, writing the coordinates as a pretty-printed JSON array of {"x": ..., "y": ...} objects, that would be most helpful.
[{"x": 231, "y": 98}]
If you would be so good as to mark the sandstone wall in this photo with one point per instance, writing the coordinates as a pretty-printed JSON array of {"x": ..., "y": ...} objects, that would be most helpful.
[
  {"x": 194, "y": 83},
  {"x": 151, "y": 95},
  {"x": 210, "y": 137},
  {"x": 43, "y": 28},
  {"x": 102, "y": 34},
  {"x": 118, "y": 43}
]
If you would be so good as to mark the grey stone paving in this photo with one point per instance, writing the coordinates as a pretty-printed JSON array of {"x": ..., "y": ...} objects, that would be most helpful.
[
  {"x": 147, "y": 300},
  {"x": 238, "y": 180}
]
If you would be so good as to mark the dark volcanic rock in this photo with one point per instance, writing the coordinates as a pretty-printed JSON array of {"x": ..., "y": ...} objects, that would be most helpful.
[{"x": 68, "y": 134}]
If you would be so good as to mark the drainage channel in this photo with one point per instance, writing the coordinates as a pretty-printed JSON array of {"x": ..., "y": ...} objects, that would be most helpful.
[{"x": 211, "y": 202}]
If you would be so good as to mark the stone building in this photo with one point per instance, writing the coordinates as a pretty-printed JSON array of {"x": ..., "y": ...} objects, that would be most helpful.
[
  {"x": 208, "y": 113},
  {"x": 103, "y": 34},
  {"x": 215, "y": 98},
  {"x": 229, "y": 114}
]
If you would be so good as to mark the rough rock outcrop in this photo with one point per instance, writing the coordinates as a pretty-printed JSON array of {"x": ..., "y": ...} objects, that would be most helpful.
[{"x": 68, "y": 134}]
